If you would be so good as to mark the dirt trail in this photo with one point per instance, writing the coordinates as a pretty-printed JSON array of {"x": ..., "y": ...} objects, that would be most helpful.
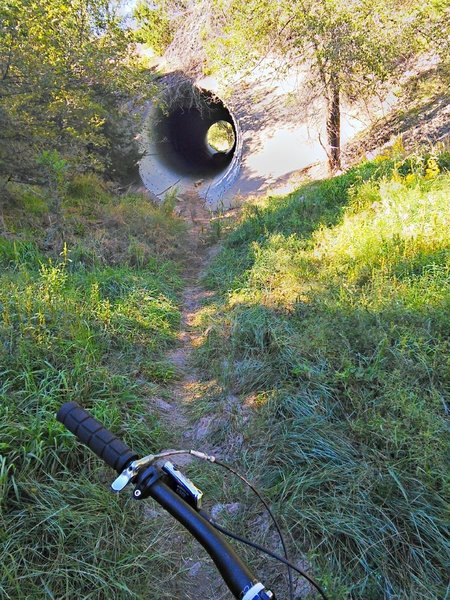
[
  {"x": 183, "y": 390},
  {"x": 201, "y": 579},
  {"x": 198, "y": 577}
]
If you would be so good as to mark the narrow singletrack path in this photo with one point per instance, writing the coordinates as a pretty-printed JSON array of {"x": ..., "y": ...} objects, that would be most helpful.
[
  {"x": 185, "y": 387},
  {"x": 201, "y": 579}
]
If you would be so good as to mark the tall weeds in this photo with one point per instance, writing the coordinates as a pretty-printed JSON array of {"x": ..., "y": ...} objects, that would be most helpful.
[
  {"x": 82, "y": 326},
  {"x": 331, "y": 321}
]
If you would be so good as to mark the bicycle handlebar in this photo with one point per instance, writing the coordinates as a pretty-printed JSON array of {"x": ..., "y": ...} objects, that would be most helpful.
[
  {"x": 93, "y": 434},
  {"x": 240, "y": 580},
  {"x": 235, "y": 573}
]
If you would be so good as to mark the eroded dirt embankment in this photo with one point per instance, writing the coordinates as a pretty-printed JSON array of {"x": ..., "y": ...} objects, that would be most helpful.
[{"x": 282, "y": 134}]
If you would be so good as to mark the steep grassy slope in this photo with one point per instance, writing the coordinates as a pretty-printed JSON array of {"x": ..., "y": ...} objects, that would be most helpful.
[
  {"x": 331, "y": 323},
  {"x": 90, "y": 324}
]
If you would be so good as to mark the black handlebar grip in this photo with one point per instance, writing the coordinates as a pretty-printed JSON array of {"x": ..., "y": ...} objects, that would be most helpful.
[{"x": 93, "y": 434}]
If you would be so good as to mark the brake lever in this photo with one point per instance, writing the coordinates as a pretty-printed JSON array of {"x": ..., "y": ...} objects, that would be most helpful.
[
  {"x": 132, "y": 471},
  {"x": 129, "y": 474}
]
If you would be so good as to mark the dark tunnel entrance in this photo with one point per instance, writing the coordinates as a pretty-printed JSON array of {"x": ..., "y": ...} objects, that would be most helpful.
[{"x": 181, "y": 135}]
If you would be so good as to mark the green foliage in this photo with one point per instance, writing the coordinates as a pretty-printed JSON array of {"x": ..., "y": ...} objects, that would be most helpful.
[
  {"x": 170, "y": 201},
  {"x": 333, "y": 322},
  {"x": 53, "y": 164},
  {"x": 155, "y": 27},
  {"x": 358, "y": 42},
  {"x": 347, "y": 47},
  {"x": 220, "y": 136},
  {"x": 150, "y": 229},
  {"x": 85, "y": 326},
  {"x": 55, "y": 169},
  {"x": 14, "y": 253},
  {"x": 160, "y": 372},
  {"x": 179, "y": 29},
  {"x": 88, "y": 188},
  {"x": 66, "y": 70}
]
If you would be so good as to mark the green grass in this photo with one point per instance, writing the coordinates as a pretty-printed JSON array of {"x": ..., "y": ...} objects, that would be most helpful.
[
  {"x": 331, "y": 321},
  {"x": 99, "y": 226},
  {"x": 86, "y": 325}
]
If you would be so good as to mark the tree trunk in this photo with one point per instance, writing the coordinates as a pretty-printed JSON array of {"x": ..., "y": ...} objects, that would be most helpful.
[{"x": 334, "y": 125}]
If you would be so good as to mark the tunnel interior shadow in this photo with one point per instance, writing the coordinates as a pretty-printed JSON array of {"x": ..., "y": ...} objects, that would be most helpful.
[{"x": 180, "y": 133}]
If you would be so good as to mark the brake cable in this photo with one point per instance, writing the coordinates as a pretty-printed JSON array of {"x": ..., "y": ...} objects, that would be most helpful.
[
  {"x": 212, "y": 459},
  {"x": 290, "y": 565},
  {"x": 272, "y": 516}
]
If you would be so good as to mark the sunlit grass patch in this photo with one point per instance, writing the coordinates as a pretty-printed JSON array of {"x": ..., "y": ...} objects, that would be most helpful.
[
  {"x": 397, "y": 232},
  {"x": 334, "y": 313}
]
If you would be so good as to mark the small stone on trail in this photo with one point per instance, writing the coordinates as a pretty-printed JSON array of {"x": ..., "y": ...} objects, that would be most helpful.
[
  {"x": 302, "y": 588},
  {"x": 231, "y": 509},
  {"x": 195, "y": 569},
  {"x": 163, "y": 405},
  {"x": 203, "y": 427},
  {"x": 150, "y": 513}
]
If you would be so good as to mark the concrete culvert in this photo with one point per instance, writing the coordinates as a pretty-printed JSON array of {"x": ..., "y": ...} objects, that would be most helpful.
[
  {"x": 191, "y": 138},
  {"x": 182, "y": 138}
]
